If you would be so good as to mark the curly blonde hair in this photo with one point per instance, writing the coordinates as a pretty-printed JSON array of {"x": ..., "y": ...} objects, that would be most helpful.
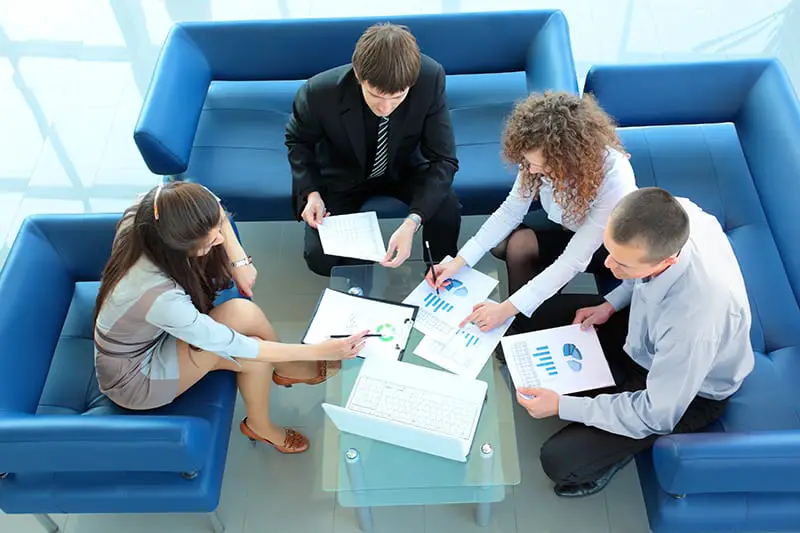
[{"x": 573, "y": 134}]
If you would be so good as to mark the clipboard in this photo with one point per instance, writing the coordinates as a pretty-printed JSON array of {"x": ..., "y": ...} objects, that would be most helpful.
[{"x": 393, "y": 320}]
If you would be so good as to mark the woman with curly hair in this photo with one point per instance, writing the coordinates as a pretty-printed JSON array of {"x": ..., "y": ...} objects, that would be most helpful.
[{"x": 572, "y": 163}]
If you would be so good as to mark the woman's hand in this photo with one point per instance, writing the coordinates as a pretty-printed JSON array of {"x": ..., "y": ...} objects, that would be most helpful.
[
  {"x": 444, "y": 271},
  {"x": 245, "y": 278},
  {"x": 338, "y": 349},
  {"x": 489, "y": 315}
]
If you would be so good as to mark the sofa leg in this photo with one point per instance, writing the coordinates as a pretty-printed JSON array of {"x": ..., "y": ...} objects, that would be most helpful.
[
  {"x": 216, "y": 524},
  {"x": 46, "y": 522}
]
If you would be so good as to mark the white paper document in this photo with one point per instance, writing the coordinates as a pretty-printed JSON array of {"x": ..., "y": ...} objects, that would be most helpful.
[
  {"x": 563, "y": 359},
  {"x": 414, "y": 407},
  {"x": 344, "y": 314},
  {"x": 357, "y": 236},
  {"x": 440, "y": 314},
  {"x": 466, "y": 352}
]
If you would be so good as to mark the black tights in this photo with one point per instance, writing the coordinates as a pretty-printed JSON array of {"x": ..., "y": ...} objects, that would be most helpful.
[
  {"x": 528, "y": 252},
  {"x": 520, "y": 251}
]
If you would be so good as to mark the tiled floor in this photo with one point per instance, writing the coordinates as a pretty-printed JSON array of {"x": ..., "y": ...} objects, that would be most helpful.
[{"x": 72, "y": 76}]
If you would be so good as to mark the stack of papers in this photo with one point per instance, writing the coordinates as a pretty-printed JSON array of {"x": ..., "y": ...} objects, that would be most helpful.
[
  {"x": 466, "y": 352},
  {"x": 440, "y": 314}
]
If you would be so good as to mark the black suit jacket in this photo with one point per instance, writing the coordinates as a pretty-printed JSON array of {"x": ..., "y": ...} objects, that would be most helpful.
[{"x": 327, "y": 148}]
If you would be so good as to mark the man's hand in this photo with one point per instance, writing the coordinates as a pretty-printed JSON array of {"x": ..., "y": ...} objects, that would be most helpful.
[
  {"x": 314, "y": 212},
  {"x": 540, "y": 403},
  {"x": 400, "y": 245},
  {"x": 489, "y": 315},
  {"x": 588, "y": 317}
]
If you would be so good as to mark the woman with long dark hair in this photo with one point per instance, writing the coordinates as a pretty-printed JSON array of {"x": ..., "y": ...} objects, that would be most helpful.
[{"x": 157, "y": 331}]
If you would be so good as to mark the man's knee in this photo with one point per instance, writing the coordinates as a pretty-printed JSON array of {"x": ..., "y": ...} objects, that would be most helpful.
[
  {"x": 319, "y": 263},
  {"x": 555, "y": 462}
]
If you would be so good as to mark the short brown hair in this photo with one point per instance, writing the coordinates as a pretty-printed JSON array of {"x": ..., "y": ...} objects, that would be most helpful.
[
  {"x": 387, "y": 56},
  {"x": 574, "y": 135},
  {"x": 652, "y": 218}
]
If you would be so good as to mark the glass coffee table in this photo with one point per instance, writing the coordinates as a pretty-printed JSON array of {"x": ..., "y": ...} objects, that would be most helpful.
[{"x": 365, "y": 473}]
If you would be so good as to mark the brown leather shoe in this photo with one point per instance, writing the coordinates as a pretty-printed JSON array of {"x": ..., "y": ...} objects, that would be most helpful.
[
  {"x": 293, "y": 443},
  {"x": 325, "y": 369}
]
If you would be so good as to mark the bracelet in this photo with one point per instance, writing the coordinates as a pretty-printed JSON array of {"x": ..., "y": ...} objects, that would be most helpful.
[{"x": 242, "y": 262}]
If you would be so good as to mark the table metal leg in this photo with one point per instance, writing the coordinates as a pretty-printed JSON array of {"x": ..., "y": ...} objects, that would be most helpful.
[
  {"x": 356, "y": 474},
  {"x": 483, "y": 510},
  {"x": 46, "y": 522}
]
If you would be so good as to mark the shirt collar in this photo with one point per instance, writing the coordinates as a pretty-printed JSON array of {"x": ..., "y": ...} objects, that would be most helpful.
[{"x": 657, "y": 287}]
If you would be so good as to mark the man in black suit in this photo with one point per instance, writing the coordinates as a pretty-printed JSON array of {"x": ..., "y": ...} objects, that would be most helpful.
[{"x": 377, "y": 127}]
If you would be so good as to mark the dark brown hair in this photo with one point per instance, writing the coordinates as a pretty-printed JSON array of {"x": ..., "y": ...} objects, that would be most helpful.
[
  {"x": 387, "y": 57},
  {"x": 652, "y": 218},
  {"x": 187, "y": 213},
  {"x": 573, "y": 134}
]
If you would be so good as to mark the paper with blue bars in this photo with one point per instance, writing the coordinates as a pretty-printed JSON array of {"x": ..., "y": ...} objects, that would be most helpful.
[
  {"x": 440, "y": 314},
  {"x": 466, "y": 352},
  {"x": 564, "y": 359}
]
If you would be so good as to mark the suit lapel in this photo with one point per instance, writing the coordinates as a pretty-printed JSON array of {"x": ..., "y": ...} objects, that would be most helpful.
[
  {"x": 396, "y": 120},
  {"x": 352, "y": 112}
]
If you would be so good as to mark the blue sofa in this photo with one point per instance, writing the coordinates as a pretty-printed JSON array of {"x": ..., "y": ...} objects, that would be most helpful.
[
  {"x": 64, "y": 447},
  {"x": 725, "y": 134},
  {"x": 222, "y": 92}
]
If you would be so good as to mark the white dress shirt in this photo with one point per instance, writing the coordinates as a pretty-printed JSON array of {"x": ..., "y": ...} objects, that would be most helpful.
[
  {"x": 689, "y": 327},
  {"x": 617, "y": 182}
]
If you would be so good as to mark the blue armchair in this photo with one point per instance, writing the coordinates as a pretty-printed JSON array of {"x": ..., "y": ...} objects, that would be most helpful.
[
  {"x": 64, "y": 447},
  {"x": 222, "y": 92},
  {"x": 725, "y": 134}
]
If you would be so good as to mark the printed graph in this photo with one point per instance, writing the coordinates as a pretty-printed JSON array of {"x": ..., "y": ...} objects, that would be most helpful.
[
  {"x": 456, "y": 287},
  {"x": 545, "y": 361},
  {"x": 574, "y": 357},
  {"x": 434, "y": 304},
  {"x": 468, "y": 338},
  {"x": 387, "y": 332}
]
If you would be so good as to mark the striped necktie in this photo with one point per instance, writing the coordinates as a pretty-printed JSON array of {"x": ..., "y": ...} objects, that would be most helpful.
[{"x": 382, "y": 149}]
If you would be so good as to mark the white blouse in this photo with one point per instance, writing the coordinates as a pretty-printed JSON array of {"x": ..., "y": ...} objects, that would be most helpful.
[{"x": 617, "y": 182}]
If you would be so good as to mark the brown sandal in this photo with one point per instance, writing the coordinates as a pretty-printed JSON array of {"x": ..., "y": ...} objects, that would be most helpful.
[
  {"x": 325, "y": 369},
  {"x": 293, "y": 443}
]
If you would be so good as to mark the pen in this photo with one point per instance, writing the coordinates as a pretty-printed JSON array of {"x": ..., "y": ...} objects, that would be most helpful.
[
  {"x": 365, "y": 336},
  {"x": 430, "y": 265}
]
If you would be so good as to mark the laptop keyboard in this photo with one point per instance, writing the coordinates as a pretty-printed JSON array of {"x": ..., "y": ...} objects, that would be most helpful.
[{"x": 413, "y": 407}]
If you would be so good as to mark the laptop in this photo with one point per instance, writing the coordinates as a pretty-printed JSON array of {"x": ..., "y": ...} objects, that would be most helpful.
[{"x": 414, "y": 407}]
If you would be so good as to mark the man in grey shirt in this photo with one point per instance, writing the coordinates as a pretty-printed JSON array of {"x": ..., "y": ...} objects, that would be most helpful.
[{"x": 676, "y": 334}]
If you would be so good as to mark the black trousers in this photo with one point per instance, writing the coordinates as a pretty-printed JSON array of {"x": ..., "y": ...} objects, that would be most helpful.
[
  {"x": 440, "y": 230},
  {"x": 579, "y": 453}
]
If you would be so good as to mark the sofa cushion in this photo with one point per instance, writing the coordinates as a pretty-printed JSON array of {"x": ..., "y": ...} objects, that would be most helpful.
[
  {"x": 705, "y": 163},
  {"x": 239, "y": 149}
]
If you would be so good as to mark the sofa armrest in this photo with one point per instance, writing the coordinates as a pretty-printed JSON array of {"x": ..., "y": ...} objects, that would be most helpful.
[
  {"x": 728, "y": 462},
  {"x": 171, "y": 110},
  {"x": 549, "y": 64},
  {"x": 659, "y": 94},
  {"x": 57, "y": 443}
]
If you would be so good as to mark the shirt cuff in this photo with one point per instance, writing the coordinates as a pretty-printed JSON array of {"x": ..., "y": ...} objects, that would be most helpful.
[
  {"x": 619, "y": 297},
  {"x": 471, "y": 252},
  {"x": 571, "y": 408},
  {"x": 247, "y": 347},
  {"x": 522, "y": 302}
]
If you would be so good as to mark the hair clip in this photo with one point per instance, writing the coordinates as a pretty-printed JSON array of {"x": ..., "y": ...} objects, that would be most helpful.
[{"x": 155, "y": 201}]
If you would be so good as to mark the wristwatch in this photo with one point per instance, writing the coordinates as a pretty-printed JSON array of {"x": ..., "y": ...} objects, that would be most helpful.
[
  {"x": 416, "y": 219},
  {"x": 242, "y": 262}
]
